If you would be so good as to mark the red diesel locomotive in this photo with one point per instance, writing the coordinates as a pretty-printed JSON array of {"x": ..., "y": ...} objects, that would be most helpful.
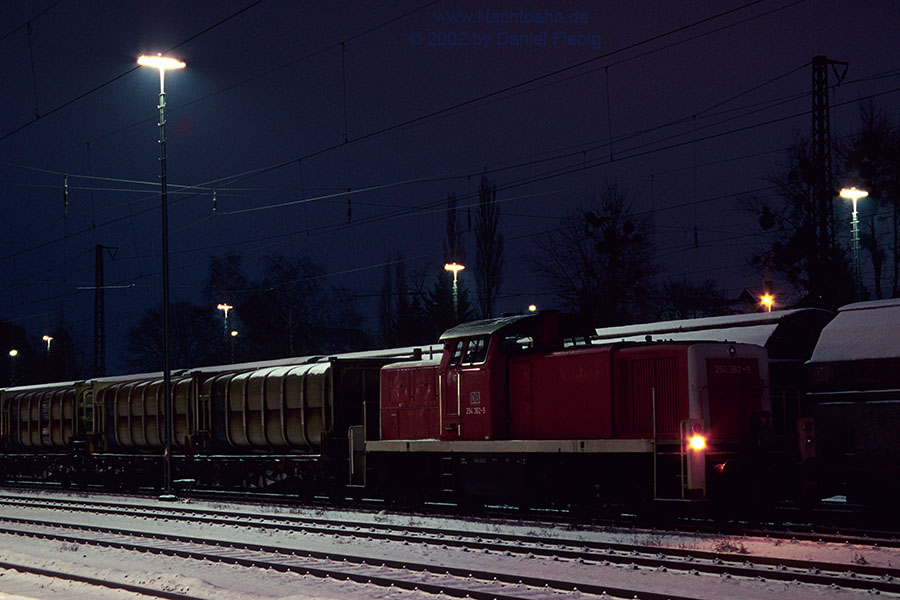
[{"x": 525, "y": 407}]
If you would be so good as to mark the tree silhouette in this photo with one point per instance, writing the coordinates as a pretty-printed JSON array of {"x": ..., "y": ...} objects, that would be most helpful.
[
  {"x": 193, "y": 338},
  {"x": 600, "y": 261},
  {"x": 872, "y": 163},
  {"x": 791, "y": 218},
  {"x": 489, "y": 249}
]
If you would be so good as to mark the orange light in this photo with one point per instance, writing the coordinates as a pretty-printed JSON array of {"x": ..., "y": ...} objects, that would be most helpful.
[{"x": 697, "y": 442}]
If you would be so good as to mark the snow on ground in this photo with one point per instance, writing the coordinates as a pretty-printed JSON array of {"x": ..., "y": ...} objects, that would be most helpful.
[{"x": 216, "y": 581}]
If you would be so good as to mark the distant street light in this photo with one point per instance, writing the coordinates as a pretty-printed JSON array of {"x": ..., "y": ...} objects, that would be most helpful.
[
  {"x": 532, "y": 308},
  {"x": 164, "y": 63},
  {"x": 225, "y": 308},
  {"x": 854, "y": 195},
  {"x": 47, "y": 339},
  {"x": 13, "y": 353},
  {"x": 455, "y": 268},
  {"x": 767, "y": 300}
]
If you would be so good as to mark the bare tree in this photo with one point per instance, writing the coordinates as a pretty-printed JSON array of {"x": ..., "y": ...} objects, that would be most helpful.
[
  {"x": 453, "y": 246},
  {"x": 387, "y": 308},
  {"x": 193, "y": 341},
  {"x": 872, "y": 162},
  {"x": 438, "y": 302},
  {"x": 285, "y": 307},
  {"x": 600, "y": 261},
  {"x": 225, "y": 281},
  {"x": 489, "y": 248},
  {"x": 791, "y": 217}
]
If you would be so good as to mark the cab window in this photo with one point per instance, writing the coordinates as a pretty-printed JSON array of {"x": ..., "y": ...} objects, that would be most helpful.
[
  {"x": 515, "y": 343},
  {"x": 577, "y": 340},
  {"x": 456, "y": 356},
  {"x": 476, "y": 350}
]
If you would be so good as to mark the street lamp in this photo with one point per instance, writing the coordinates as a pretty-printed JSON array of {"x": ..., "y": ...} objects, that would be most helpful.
[
  {"x": 47, "y": 339},
  {"x": 234, "y": 335},
  {"x": 164, "y": 63},
  {"x": 532, "y": 308},
  {"x": 13, "y": 353},
  {"x": 854, "y": 195},
  {"x": 455, "y": 268},
  {"x": 767, "y": 300},
  {"x": 225, "y": 308}
]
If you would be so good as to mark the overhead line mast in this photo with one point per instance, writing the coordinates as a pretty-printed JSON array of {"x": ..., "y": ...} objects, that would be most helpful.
[{"x": 823, "y": 184}]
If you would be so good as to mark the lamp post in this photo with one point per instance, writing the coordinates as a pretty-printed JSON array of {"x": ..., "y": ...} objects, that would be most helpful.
[
  {"x": 854, "y": 195},
  {"x": 455, "y": 268},
  {"x": 48, "y": 339},
  {"x": 13, "y": 353},
  {"x": 767, "y": 300},
  {"x": 164, "y": 63},
  {"x": 225, "y": 308}
]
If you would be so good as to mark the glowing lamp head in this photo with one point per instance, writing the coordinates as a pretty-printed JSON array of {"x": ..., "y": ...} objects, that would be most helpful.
[
  {"x": 853, "y": 194},
  {"x": 13, "y": 353},
  {"x": 767, "y": 300},
  {"x": 454, "y": 267},
  {"x": 697, "y": 442},
  {"x": 532, "y": 308},
  {"x": 163, "y": 63}
]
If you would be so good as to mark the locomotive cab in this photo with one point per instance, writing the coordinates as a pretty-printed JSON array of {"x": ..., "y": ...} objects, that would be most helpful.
[{"x": 475, "y": 369}]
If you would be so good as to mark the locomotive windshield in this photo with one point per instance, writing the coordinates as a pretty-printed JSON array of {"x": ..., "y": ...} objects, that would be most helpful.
[{"x": 467, "y": 351}]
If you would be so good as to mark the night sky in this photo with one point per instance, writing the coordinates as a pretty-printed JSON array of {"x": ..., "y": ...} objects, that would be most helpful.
[{"x": 701, "y": 100}]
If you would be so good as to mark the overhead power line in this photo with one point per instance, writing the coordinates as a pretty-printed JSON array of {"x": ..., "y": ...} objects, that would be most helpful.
[
  {"x": 31, "y": 20},
  {"x": 119, "y": 76}
]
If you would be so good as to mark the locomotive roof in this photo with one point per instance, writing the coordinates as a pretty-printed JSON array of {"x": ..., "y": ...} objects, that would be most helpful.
[
  {"x": 485, "y": 326},
  {"x": 861, "y": 331}
]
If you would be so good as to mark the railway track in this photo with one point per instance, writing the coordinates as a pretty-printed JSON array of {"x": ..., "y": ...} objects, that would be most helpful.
[
  {"x": 730, "y": 559},
  {"x": 450, "y": 581},
  {"x": 792, "y": 530},
  {"x": 38, "y": 579}
]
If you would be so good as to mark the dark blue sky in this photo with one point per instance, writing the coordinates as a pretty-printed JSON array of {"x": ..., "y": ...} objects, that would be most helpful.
[{"x": 269, "y": 86}]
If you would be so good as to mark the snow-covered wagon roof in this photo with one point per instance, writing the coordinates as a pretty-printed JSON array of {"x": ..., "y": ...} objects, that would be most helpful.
[{"x": 861, "y": 331}]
